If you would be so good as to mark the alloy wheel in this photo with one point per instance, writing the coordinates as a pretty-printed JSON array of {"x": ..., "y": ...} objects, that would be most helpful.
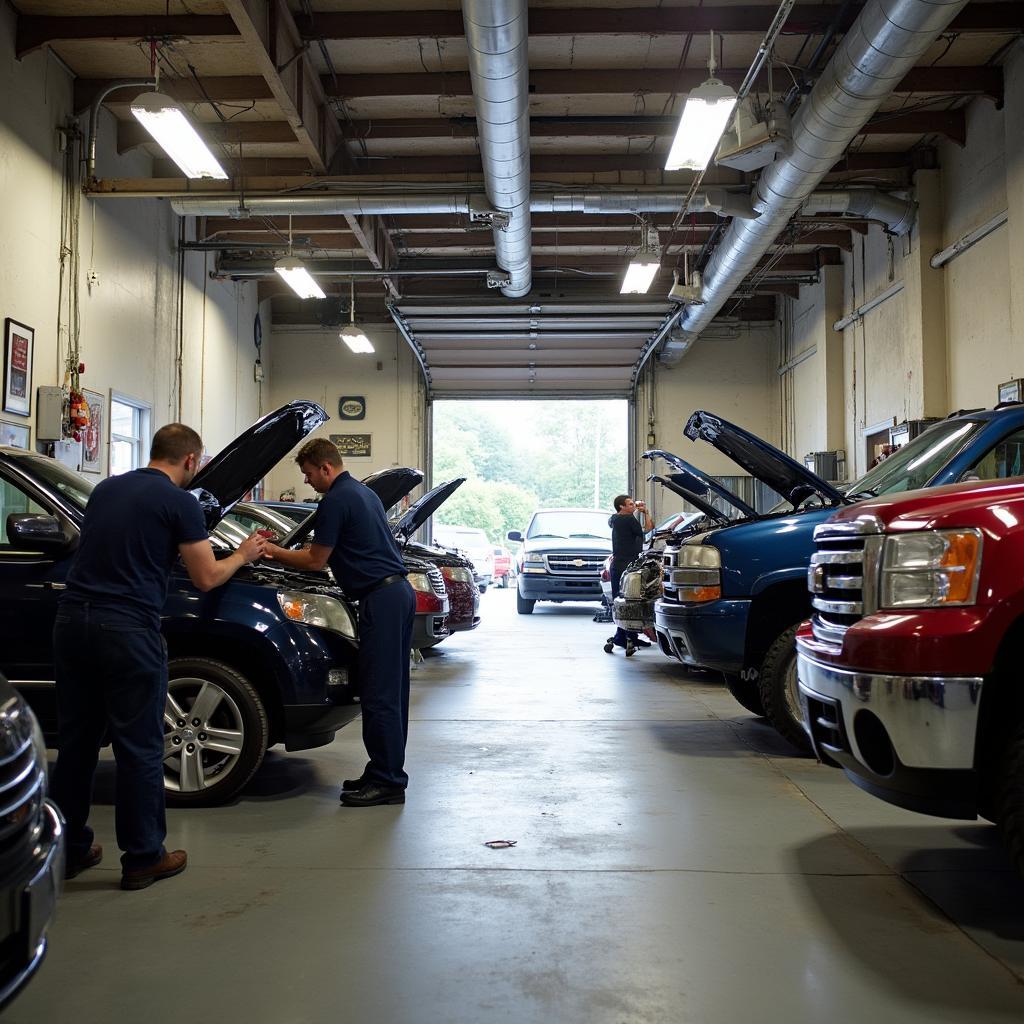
[{"x": 203, "y": 734}]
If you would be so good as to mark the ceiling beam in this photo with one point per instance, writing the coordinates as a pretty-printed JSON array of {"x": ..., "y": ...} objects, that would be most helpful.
[
  {"x": 131, "y": 134},
  {"x": 987, "y": 81},
  {"x": 376, "y": 243},
  {"x": 274, "y": 41},
  {"x": 33, "y": 32},
  {"x": 226, "y": 89},
  {"x": 812, "y": 18},
  {"x": 950, "y": 123}
]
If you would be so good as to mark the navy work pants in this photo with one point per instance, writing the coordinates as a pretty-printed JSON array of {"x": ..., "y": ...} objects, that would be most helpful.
[
  {"x": 111, "y": 682},
  {"x": 385, "y": 644},
  {"x": 617, "y": 569}
]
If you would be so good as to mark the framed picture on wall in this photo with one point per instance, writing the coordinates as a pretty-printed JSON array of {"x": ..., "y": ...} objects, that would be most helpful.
[
  {"x": 18, "y": 342},
  {"x": 15, "y": 435},
  {"x": 95, "y": 433}
]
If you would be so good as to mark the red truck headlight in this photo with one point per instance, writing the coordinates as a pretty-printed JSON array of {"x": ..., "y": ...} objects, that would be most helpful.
[{"x": 930, "y": 569}]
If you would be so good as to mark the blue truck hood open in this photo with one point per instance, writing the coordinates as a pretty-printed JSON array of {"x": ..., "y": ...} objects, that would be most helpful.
[{"x": 760, "y": 459}]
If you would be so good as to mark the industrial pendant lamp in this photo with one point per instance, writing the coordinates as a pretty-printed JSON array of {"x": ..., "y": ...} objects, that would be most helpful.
[
  {"x": 644, "y": 266},
  {"x": 166, "y": 120},
  {"x": 352, "y": 334},
  {"x": 704, "y": 118},
  {"x": 294, "y": 273}
]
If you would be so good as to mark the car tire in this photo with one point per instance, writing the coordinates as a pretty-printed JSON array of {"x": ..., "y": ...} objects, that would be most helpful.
[
  {"x": 745, "y": 691},
  {"x": 1009, "y": 796},
  {"x": 231, "y": 707},
  {"x": 523, "y": 605},
  {"x": 780, "y": 694}
]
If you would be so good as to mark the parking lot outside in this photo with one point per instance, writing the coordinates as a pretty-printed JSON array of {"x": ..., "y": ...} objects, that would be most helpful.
[{"x": 673, "y": 862}]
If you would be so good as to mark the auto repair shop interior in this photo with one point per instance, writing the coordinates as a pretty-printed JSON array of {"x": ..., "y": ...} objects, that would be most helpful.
[{"x": 759, "y": 266}]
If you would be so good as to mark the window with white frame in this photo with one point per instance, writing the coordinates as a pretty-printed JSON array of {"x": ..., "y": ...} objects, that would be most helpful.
[{"x": 129, "y": 433}]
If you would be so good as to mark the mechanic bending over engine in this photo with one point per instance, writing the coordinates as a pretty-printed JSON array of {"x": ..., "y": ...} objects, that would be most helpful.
[{"x": 627, "y": 543}]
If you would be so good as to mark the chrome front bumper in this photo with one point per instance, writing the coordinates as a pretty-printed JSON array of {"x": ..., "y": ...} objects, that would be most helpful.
[{"x": 931, "y": 721}]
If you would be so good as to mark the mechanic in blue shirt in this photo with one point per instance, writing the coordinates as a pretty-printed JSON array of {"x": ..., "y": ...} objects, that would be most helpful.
[
  {"x": 352, "y": 536},
  {"x": 110, "y": 659}
]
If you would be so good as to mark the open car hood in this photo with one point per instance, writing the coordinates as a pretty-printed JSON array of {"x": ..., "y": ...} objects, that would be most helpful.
[
  {"x": 692, "y": 479},
  {"x": 669, "y": 483},
  {"x": 392, "y": 485},
  {"x": 239, "y": 466},
  {"x": 760, "y": 459},
  {"x": 420, "y": 511}
]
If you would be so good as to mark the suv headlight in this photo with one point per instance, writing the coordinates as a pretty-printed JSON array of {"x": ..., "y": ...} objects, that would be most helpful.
[
  {"x": 533, "y": 563},
  {"x": 930, "y": 569},
  {"x": 421, "y": 582},
  {"x": 317, "y": 610},
  {"x": 457, "y": 574},
  {"x": 697, "y": 575}
]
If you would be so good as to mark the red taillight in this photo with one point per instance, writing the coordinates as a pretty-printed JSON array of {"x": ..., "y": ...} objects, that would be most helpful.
[{"x": 427, "y": 602}]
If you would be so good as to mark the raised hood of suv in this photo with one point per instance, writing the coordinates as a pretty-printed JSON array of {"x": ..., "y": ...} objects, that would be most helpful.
[
  {"x": 240, "y": 465},
  {"x": 760, "y": 459},
  {"x": 392, "y": 485},
  {"x": 420, "y": 511},
  {"x": 692, "y": 479},
  {"x": 687, "y": 495}
]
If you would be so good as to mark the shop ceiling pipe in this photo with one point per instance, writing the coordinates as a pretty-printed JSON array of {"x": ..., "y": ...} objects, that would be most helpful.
[
  {"x": 884, "y": 43},
  {"x": 496, "y": 34}
]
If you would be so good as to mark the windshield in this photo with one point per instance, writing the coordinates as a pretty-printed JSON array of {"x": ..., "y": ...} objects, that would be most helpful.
[
  {"x": 566, "y": 525},
  {"x": 74, "y": 488},
  {"x": 915, "y": 464}
]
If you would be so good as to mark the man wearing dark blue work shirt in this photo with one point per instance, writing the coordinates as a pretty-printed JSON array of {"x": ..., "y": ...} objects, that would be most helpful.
[
  {"x": 111, "y": 662},
  {"x": 352, "y": 536}
]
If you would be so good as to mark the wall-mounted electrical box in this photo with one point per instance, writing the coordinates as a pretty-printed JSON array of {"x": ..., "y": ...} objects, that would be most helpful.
[{"x": 49, "y": 413}]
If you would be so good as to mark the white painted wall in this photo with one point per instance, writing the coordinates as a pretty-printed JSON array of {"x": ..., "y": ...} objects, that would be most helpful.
[
  {"x": 314, "y": 364},
  {"x": 128, "y": 322}
]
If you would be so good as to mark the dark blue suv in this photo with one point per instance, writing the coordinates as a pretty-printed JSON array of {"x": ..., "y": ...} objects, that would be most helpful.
[
  {"x": 267, "y": 658},
  {"x": 735, "y": 594}
]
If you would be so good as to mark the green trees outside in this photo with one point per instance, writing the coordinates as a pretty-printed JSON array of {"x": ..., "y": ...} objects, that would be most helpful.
[{"x": 521, "y": 456}]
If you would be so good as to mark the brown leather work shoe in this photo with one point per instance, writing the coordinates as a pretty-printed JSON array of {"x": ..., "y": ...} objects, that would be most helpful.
[
  {"x": 173, "y": 863},
  {"x": 80, "y": 864}
]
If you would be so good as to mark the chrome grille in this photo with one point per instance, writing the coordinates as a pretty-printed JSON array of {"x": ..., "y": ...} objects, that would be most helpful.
[
  {"x": 846, "y": 554},
  {"x": 22, "y": 784},
  {"x": 569, "y": 564},
  {"x": 436, "y": 581}
]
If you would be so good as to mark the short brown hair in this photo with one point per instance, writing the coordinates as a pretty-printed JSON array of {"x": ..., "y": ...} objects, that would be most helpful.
[
  {"x": 318, "y": 452},
  {"x": 620, "y": 500},
  {"x": 175, "y": 443}
]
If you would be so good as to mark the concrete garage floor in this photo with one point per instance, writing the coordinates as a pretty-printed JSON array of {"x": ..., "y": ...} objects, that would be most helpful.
[{"x": 674, "y": 863}]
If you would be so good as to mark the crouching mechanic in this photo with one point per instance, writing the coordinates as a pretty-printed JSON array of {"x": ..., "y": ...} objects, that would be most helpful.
[{"x": 352, "y": 536}]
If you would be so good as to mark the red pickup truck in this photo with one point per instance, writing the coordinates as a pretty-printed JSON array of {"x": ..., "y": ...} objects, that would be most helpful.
[{"x": 910, "y": 668}]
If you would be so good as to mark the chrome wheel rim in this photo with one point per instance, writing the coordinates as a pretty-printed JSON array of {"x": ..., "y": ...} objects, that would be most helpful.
[
  {"x": 203, "y": 735},
  {"x": 793, "y": 693}
]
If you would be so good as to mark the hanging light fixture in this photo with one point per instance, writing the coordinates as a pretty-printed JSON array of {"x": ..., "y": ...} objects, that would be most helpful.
[
  {"x": 294, "y": 273},
  {"x": 352, "y": 334},
  {"x": 165, "y": 119},
  {"x": 704, "y": 118},
  {"x": 644, "y": 266}
]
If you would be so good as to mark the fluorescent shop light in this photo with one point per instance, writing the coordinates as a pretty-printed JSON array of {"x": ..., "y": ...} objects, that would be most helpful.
[
  {"x": 704, "y": 119},
  {"x": 294, "y": 273},
  {"x": 169, "y": 125},
  {"x": 352, "y": 334},
  {"x": 642, "y": 270}
]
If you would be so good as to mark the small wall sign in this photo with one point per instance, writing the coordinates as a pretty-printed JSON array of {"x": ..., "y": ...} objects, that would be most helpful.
[
  {"x": 352, "y": 407},
  {"x": 352, "y": 446}
]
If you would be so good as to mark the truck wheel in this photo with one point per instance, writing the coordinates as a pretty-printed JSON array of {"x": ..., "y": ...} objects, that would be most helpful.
[
  {"x": 745, "y": 691},
  {"x": 1009, "y": 797},
  {"x": 215, "y": 732},
  {"x": 780, "y": 693},
  {"x": 523, "y": 605}
]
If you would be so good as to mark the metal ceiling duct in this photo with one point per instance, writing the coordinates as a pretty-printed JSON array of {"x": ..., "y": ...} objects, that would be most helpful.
[
  {"x": 884, "y": 43},
  {"x": 895, "y": 213},
  {"x": 497, "y": 37}
]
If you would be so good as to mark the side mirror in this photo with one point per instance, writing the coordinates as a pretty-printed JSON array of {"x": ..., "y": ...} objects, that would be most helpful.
[
  {"x": 514, "y": 535},
  {"x": 34, "y": 531}
]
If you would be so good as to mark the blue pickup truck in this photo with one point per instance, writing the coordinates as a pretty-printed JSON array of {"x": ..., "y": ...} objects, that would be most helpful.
[{"x": 735, "y": 595}]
